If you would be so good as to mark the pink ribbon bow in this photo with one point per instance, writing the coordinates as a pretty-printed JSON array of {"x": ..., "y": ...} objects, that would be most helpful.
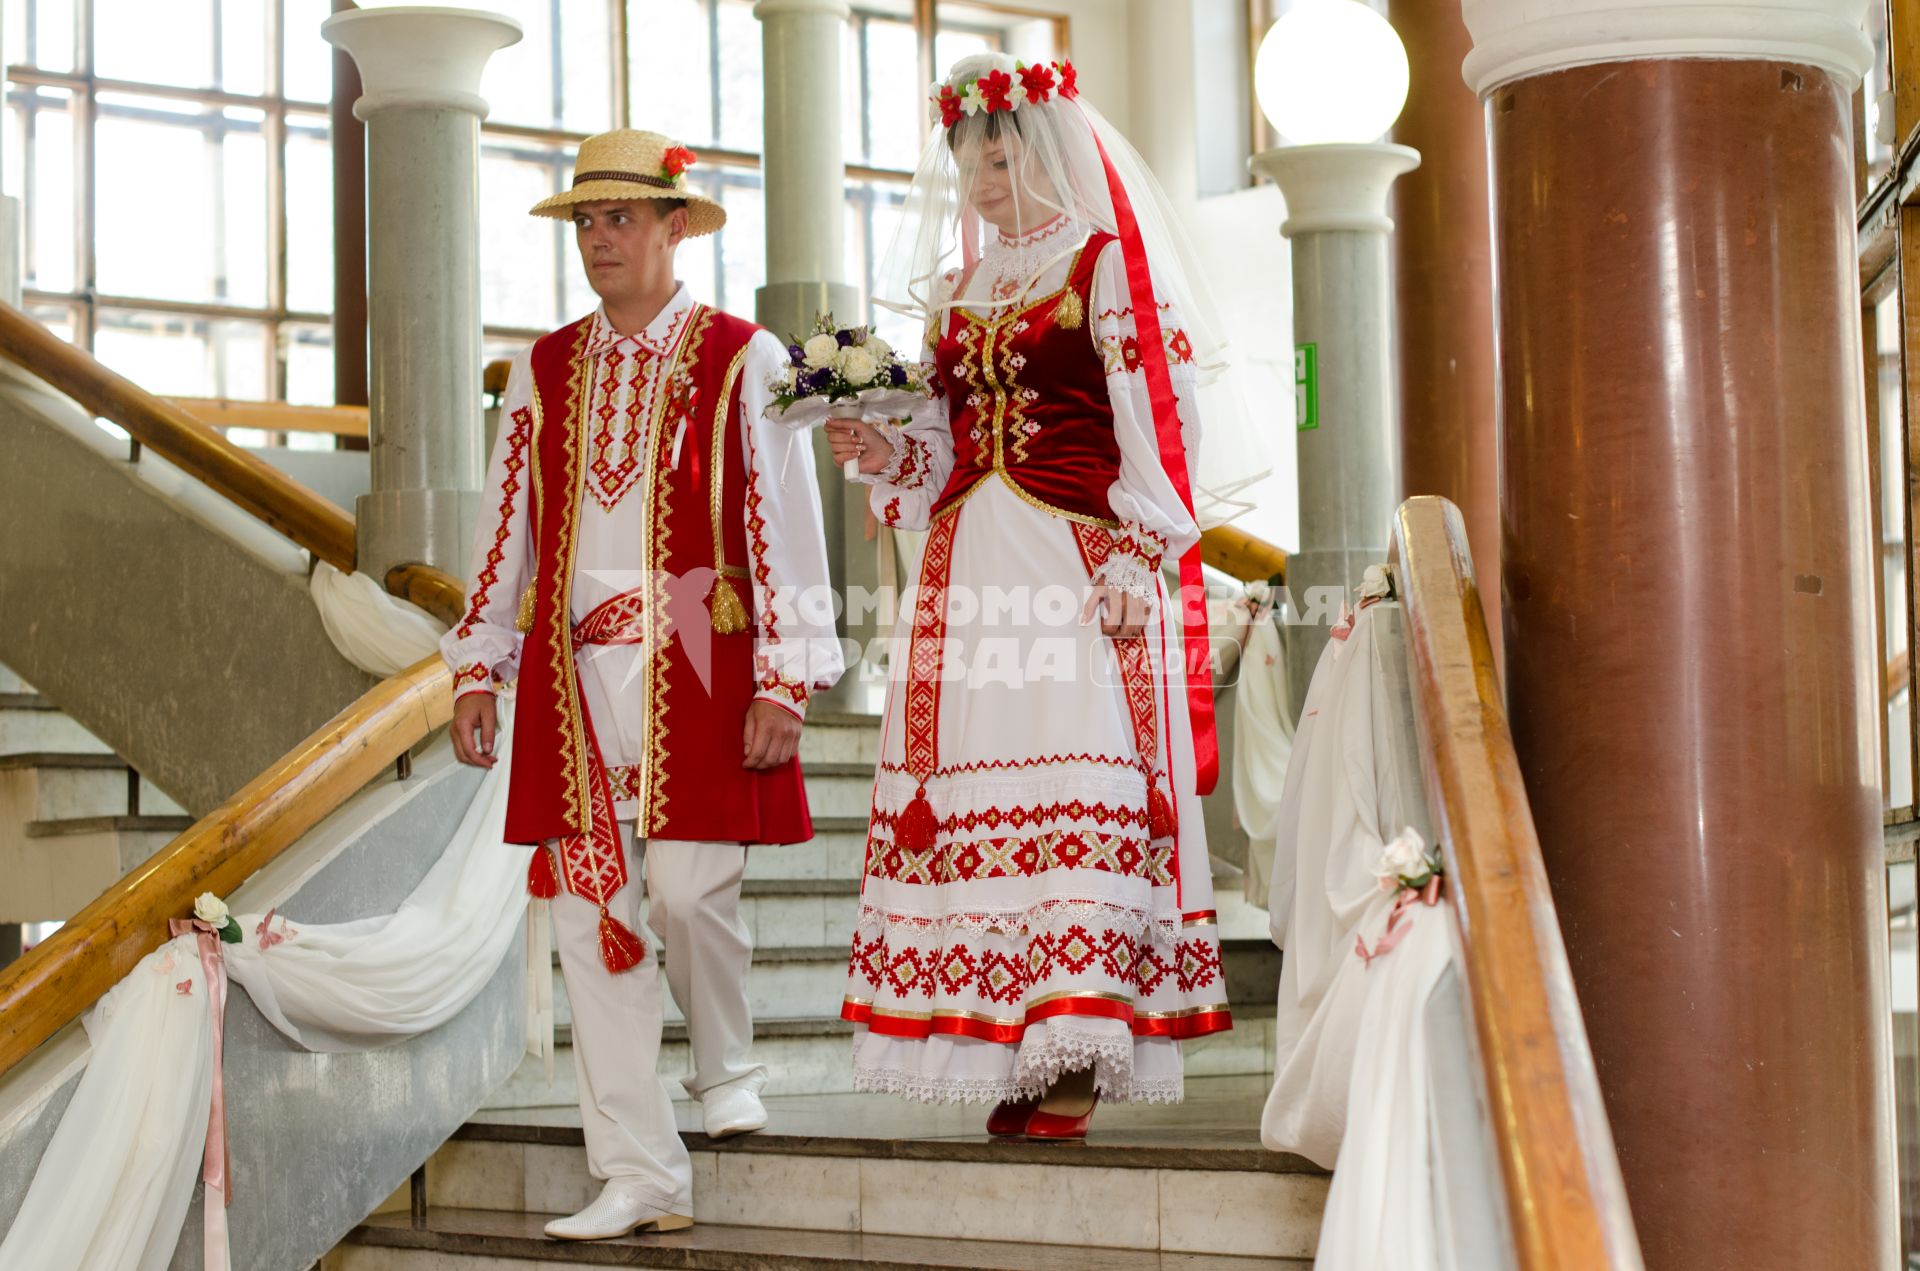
[
  {"x": 1397, "y": 925},
  {"x": 213, "y": 1169}
]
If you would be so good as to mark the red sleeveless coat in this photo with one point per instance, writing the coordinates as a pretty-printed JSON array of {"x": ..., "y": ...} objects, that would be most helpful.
[{"x": 698, "y": 682}]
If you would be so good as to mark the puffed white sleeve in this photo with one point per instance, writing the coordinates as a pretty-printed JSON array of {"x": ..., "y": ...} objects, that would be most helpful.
[
  {"x": 904, "y": 491},
  {"x": 1154, "y": 521},
  {"x": 484, "y": 647},
  {"x": 796, "y": 650}
]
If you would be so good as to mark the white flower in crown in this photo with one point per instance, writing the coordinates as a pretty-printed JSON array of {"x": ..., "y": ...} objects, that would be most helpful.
[
  {"x": 820, "y": 350},
  {"x": 1376, "y": 583},
  {"x": 973, "y": 101}
]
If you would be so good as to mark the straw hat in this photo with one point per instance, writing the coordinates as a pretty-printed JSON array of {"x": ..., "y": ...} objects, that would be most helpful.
[{"x": 629, "y": 164}]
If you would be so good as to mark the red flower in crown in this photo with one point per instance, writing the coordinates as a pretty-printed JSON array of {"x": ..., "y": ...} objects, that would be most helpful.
[
  {"x": 996, "y": 89},
  {"x": 1038, "y": 81},
  {"x": 676, "y": 160},
  {"x": 1069, "y": 80},
  {"x": 949, "y": 103}
]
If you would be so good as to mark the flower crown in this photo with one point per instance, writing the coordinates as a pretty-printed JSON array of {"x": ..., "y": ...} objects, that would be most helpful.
[{"x": 1000, "y": 90}]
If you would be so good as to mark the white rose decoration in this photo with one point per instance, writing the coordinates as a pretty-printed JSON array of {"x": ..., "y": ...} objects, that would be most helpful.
[
  {"x": 820, "y": 351},
  {"x": 210, "y": 909},
  {"x": 857, "y": 365},
  {"x": 880, "y": 349},
  {"x": 1405, "y": 856},
  {"x": 1375, "y": 583}
]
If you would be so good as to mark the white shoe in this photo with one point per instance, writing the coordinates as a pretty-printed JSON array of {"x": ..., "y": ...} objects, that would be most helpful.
[
  {"x": 731, "y": 1110},
  {"x": 619, "y": 1211}
]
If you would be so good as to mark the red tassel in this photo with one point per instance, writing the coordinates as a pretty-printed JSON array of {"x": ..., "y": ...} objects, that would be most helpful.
[
  {"x": 915, "y": 828},
  {"x": 620, "y": 949},
  {"x": 1160, "y": 822},
  {"x": 542, "y": 882}
]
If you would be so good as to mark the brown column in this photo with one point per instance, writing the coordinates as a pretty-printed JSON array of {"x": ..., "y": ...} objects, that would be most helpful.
[
  {"x": 349, "y": 137},
  {"x": 1689, "y": 638},
  {"x": 1443, "y": 269}
]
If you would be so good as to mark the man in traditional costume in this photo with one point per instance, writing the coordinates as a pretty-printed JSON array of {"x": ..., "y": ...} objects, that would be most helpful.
[{"x": 651, "y": 571}]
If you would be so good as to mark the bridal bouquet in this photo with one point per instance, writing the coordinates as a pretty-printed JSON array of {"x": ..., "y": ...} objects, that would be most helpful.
[{"x": 843, "y": 373}]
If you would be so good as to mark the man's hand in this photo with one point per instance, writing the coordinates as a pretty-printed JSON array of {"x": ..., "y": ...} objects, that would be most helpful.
[
  {"x": 473, "y": 714},
  {"x": 1122, "y": 614},
  {"x": 772, "y": 736}
]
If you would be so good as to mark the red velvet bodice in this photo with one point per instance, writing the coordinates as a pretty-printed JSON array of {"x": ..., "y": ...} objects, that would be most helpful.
[{"x": 1027, "y": 397}]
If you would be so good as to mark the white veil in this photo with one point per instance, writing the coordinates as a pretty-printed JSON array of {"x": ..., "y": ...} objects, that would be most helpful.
[{"x": 1063, "y": 158}]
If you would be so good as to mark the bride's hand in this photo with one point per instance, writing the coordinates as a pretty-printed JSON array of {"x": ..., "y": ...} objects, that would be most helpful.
[
  {"x": 1122, "y": 614},
  {"x": 854, "y": 439}
]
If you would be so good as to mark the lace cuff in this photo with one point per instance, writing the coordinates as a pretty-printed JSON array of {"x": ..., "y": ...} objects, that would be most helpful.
[
  {"x": 907, "y": 469},
  {"x": 1135, "y": 559}
]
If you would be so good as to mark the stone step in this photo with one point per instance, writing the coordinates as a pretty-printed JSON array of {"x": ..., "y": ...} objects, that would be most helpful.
[
  {"x": 831, "y": 738},
  {"x": 838, "y": 849},
  {"x": 1188, "y": 1178},
  {"x": 29, "y": 724},
  {"x": 839, "y": 790},
  {"x": 12, "y": 683},
  {"x": 57, "y": 867},
  {"x": 52, "y": 787},
  {"x": 447, "y": 1238},
  {"x": 800, "y": 912}
]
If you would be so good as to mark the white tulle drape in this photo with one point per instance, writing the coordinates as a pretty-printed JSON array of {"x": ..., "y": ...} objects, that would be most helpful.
[
  {"x": 1262, "y": 742},
  {"x": 115, "y": 1183},
  {"x": 1351, "y": 1084}
]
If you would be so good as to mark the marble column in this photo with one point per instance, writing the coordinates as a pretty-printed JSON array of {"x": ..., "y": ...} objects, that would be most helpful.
[
  {"x": 1349, "y": 447},
  {"x": 804, "y": 170},
  {"x": 1689, "y": 592},
  {"x": 420, "y": 76},
  {"x": 1443, "y": 285}
]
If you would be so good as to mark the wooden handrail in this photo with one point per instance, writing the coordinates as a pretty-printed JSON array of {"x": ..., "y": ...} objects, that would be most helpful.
[
  {"x": 223, "y": 412},
  {"x": 1232, "y": 550},
  {"x": 1899, "y": 673},
  {"x": 245, "y": 479},
  {"x": 1564, "y": 1195},
  {"x": 71, "y": 969},
  {"x": 435, "y": 590}
]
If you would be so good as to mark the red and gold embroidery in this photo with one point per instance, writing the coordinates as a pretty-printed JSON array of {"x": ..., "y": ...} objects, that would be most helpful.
[
  {"x": 516, "y": 460},
  {"x": 475, "y": 671},
  {"x": 916, "y": 826}
]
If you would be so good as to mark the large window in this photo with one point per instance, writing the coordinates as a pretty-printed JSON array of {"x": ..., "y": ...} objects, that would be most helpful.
[{"x": 176, "y": 173}]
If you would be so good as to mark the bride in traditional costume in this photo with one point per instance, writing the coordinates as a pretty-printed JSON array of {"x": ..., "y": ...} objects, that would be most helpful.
[{"x": 1036, "y": 924}]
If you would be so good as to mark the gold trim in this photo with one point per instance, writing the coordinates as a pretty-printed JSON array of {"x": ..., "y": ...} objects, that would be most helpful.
[
  {"x": 574, "y": 769},
  {"x": 1042, "y": 504},
  {"x": 727, "y": 612},
  {"x": 1200, "y": 922},
  {"x": 1080, "y": 993},
  {"x": 948, "y": 1012}
]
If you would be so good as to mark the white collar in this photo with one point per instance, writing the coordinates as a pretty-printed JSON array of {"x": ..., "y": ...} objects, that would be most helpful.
[{"x": 659, "y": 335}]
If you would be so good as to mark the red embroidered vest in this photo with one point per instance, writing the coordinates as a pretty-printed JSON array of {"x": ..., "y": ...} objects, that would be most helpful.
[
  {"x": 698, "y": 680},
  {"x": 1028, "y": 398}
]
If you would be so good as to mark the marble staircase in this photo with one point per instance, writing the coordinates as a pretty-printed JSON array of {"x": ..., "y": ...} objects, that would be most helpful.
[
  {"x": 868, "y": 1181},
  {"x": 74, "y": 817}
]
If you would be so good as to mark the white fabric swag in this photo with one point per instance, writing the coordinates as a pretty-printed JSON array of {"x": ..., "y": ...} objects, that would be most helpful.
[
  {"x": 115, "y": 1183},
  {"x": 1351, "y": 1089}
]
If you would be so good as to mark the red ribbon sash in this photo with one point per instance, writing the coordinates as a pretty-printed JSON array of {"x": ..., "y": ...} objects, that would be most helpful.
[{"x": 1173, "y": 457}]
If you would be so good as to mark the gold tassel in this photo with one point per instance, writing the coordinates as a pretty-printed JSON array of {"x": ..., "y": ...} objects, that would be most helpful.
[
  {"x": 723, "y": 602},
  {"x": 1069, "y": 314},
  {"x": 524, "y": 620}
]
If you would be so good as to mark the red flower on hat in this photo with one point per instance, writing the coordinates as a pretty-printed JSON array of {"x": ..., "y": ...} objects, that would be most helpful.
[
  {"x": 996, "y": 89},
  {"x": 1038, "y": 81},
  {"x": 1069, "y": 80},
  {"x": 677, "y": 159},
  {"x": 949, "y": 103}
]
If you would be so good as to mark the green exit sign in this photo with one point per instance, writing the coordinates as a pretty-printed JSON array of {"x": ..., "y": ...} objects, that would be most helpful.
[{"x": 1306, "y": 386}]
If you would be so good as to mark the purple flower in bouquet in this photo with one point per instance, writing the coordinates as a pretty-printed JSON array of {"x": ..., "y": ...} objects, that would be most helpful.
[
  {"x": 796, "y": 355},
  {"x": 897, "y": 375}
]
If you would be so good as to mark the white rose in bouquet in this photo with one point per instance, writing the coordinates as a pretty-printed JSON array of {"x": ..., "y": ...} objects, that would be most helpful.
[
  {"x": 857, "y": 365},
  {"x": 820, "y": 351},
  {"x": 210, "y": 909},
  {"x": 880, "y": 349}
]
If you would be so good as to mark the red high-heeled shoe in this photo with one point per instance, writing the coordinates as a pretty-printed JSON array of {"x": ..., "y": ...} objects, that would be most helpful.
[
  {"x": 1066, "y": 1110},
  {"x": 1009, "y": 1117}
]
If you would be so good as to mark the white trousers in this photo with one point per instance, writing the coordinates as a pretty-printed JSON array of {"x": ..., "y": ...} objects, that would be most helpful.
[{"x": 693, "y": 893}]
